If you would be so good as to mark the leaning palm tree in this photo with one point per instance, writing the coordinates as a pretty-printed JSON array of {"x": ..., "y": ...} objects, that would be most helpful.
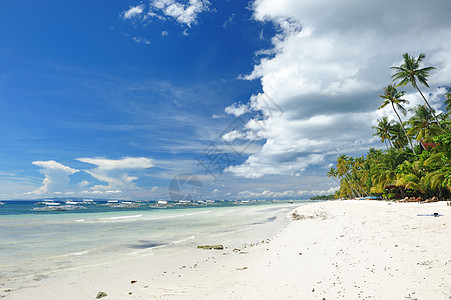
[
  {"x": 333, "y": 173},
  {"x": 383, "y": 131},
  {"x": 410, "y": 72},
  {"x": 393, "y": 97},
  {"x": 343, "y": 166}
]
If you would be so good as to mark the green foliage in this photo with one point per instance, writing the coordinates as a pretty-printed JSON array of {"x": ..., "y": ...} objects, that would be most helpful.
[{"x": 424, "y": 169}]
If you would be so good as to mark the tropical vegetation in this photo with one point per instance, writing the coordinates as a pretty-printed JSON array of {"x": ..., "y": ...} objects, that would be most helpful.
[{"x": 416, "y": 161}]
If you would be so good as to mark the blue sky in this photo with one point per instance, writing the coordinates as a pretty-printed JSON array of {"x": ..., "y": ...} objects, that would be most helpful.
[{"x": 115, "y": 98}]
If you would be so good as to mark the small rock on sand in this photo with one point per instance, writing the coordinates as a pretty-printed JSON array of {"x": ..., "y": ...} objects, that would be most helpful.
[{"x": 101, "y": 295}]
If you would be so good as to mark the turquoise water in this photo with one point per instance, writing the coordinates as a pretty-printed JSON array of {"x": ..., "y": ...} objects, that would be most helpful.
[{"x": 37, "y": 245}]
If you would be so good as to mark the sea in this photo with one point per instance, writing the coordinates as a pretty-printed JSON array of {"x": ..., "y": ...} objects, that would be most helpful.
[{"x": 36, "y": 245}]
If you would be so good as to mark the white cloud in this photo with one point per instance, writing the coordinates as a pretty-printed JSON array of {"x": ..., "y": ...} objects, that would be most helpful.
[
  {"x": 328, "y": 65},
  {"x": 116, "y": 172},
  {"x": 228, "y": 21},
  {"x": 133, "y": 11},
  {"x": 237, "y": 109},
  {"x": 214, "y": 116},
  {"x": 56, "y": 176},
  {"x": 186, "y": 14},
  {"x": 140, "y": 40}
]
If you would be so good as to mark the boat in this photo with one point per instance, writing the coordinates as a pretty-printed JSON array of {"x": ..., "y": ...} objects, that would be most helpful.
[
  {"x": 122, "y": 204},
  {"x": 57, "y": 207},
  {"x": 160, "y": 204},
  {"x": 72, "y": 203},
  {"x": 185, "y": 203},
  {"x": 88, "y": 201},
  {"x": 50, "y": 203}
]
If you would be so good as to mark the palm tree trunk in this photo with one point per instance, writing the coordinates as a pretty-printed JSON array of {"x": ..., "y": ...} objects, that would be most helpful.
[
  {"x": 352, "y": 190},
  {"x": 349, "y": 178},
  {"x": 432, "y": 110},
  {"x": 400, "y": 122}
]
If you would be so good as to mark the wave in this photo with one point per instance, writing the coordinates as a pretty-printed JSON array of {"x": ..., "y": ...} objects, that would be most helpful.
[
  {"x": 141, "y": 218},
  {"x": 184, "y": 240},
  {"x": 125, "y": 217},
  {"x": 80, "y": 253}
]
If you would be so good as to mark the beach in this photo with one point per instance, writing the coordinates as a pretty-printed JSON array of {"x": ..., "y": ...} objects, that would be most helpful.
[{"x": 333, "y": 250}]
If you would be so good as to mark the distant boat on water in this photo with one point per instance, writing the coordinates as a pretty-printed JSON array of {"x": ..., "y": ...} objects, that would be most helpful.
[
  {"x": 160, "y": 204},
  {"x": 88, "y": 201},
  {"x": 48, "y": 203},
  {"x": 122, "y": 204},
  {"x": 58, "y": 207},
  {"x": 1, "y": 203}
]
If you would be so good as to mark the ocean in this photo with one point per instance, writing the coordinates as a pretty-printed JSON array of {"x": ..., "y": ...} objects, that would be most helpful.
[{"x": 36, "y": 245}]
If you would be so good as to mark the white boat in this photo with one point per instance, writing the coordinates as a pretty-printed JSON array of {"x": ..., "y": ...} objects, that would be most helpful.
[
  {"x": 57, "y": 207},
  {"x": 72, "y": 203},
  {"x": 1, "y": 203},
  {"x": 185, "y": 202},
  {"x": 50, "y": 203},
  {"x": 160, "y": 204},
  {"x": 88, "y": 201}
]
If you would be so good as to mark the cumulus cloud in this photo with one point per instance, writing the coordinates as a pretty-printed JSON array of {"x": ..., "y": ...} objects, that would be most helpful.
[
  {"x": 183, "y": 13},
  {"x": 56, "y": 176},
  {"x": 115, "y": 173},
  {"x": 237, "y": 109},
  {"x": 328, "y": 64},
  {"x": 133, "y": 12}
]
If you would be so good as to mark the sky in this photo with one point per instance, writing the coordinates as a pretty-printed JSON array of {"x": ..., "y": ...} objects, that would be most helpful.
[{"x": 254, "y": 100}]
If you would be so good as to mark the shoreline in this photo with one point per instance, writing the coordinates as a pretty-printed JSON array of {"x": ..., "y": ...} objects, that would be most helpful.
[{"x": 347, "y": 249}]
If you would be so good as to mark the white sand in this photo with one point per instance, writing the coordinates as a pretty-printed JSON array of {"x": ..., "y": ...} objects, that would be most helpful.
[{"x": 342, "y": 250}]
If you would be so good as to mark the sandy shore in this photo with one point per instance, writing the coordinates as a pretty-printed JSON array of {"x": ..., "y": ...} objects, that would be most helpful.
[{"x": 337, "y": 250}]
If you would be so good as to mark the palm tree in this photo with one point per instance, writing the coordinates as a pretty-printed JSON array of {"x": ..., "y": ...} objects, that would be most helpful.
[
  {"x": 383, "y": 131},
  {"x": 343, "y": 166},
  {"x": 422, "y": 124},
  {"x": 399, "y": 136},
  {"x": 448, "y": 101},
  {"x": 332, "y": 172},
  {"x": 384, "y": 170},
  {"x": 393, "y": 97},
  {"x": 410, "y": 176},
  {"x": 410, "y": 71}
]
